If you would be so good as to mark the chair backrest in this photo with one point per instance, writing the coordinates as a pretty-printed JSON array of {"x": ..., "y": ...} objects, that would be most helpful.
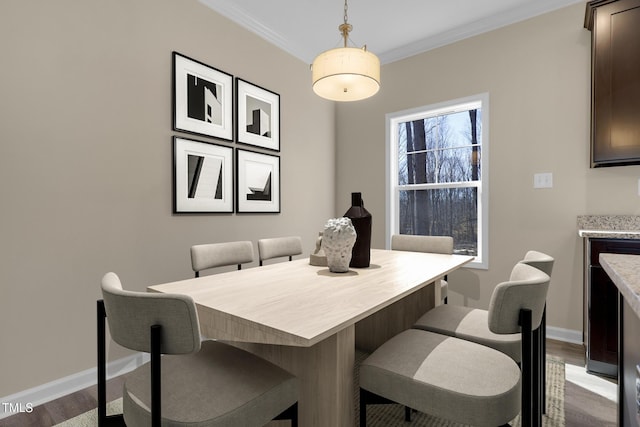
[
  {"x": 220, "y": 254},
  {"x": 539, "y": 260},
  {"x": 526, "y": 289},
  {"x": 131, "y": 314},
  {"x": 433, "y": 244},
  {"x": 279, "y": 247}
]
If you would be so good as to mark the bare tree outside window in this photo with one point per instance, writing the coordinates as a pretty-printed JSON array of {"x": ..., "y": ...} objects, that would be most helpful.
[{"x": 439, "y": 175}]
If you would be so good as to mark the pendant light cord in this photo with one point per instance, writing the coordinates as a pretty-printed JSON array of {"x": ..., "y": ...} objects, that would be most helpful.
[
  {"x": 346, "y": 27},
  {"x": 345, "y": 11}
]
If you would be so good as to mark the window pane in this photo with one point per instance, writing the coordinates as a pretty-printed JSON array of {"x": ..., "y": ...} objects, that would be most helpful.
[
  {"x": 442, "y": 212},
  {"x": 459, "y": 164},
  {"x": 444, "y": 148},
  {"x": 422, "y": 167}
]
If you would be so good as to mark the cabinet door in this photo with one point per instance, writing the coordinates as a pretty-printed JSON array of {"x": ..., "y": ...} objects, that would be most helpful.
[
  {"x": 615, "y": 134},
  {"x": 602, "y": 306},
  {"x": 603, "y": 318},
  {"x": 612, "y": 246}
]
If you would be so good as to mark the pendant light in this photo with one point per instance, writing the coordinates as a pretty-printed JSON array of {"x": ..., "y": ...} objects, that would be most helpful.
[{"x": 346, "y": 73}]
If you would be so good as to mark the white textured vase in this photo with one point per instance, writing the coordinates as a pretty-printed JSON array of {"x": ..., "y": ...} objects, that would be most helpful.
[{"x": 338, "y": 239}]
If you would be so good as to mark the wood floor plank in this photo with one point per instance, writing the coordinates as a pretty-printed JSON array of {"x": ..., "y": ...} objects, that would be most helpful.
[{"x": 583, "y": 408}]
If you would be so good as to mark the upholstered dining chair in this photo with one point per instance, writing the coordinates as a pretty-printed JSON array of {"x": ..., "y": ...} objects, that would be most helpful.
[
  {"x": 204, "y": 383},
  {"x": 279, "y": 247},
  {"x": 542, "y": 262},
  {"x": 433, "y": 244},
  {"x": 213, "y": 255},
  {"x": 460, "y": 380},
  {"x": 472, "y": 324}
]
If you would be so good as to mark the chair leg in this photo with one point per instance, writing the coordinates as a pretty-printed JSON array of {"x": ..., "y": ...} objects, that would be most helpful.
[
  {"x": 536, "y": 393},
  {"x": 407, "y": 414},
  {"x": 543, "y": 360},
  {"x": 102, "y": 369},
  {"x": 156, "y": 370},
  {"x": 363, "y": 407},
  {"x": 291, "y": 413},
  {"x": 366, "y": 397},
  {"x": 527, "y": 368},
  {"x": 103, "y": 419}
]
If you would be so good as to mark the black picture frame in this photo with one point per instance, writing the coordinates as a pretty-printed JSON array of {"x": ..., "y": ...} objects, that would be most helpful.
[
  {"x": 202, "y": 99},
  {"x": 257, "y": 182},
  {"x": 202, "y": 177},
  {"x": 257, "y": 116}
]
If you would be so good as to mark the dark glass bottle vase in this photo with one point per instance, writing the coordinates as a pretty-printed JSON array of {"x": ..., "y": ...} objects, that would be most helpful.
[{"x": 361, "y": 220}]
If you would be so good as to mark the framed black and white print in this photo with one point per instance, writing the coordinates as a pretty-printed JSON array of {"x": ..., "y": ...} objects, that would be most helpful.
[
  {"x": 258, "y": 116},
  {"x": 203, "y": 177},
  {"x": 202, "y": 98},
  {"x": 258, "y": 182}
]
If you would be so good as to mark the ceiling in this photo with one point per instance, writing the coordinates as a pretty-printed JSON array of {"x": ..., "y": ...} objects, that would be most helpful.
[{"x": 392, "y": 30}]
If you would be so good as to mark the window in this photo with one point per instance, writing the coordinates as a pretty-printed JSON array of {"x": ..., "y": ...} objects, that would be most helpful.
[{"x": 437, "y": 159}]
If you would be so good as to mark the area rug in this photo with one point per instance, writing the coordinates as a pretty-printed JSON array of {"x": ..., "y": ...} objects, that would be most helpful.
[
  {"x": 393, "y": 415},
  {"x": 90, "y": 419}
]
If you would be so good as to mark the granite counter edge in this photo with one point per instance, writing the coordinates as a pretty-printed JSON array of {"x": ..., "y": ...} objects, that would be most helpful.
[{"x": 624, "y": 271}]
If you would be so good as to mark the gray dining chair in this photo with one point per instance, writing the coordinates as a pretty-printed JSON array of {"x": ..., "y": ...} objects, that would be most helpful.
[
  {"x": 432, "y": 244},
  {"x": 472, "y": 324},
  {"x": 545, "y": 263},
  {"x": 203, "y": 383},
  {"x": 278, "y": 247},
  {"x": 214, "y": 255},
  {"x": 460, "y": 380}
]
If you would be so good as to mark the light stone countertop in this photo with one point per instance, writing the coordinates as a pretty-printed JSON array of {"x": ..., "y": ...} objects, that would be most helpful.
[
  {"x": 624, "y": 271},
  {"x": 610, "y": 234},
  {"x": 609, "y": 226}
]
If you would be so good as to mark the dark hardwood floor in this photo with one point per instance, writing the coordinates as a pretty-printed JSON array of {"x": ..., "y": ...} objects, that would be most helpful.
[
  {"x": 64, "y": 408},
  {"x": 582, "y": 407}
]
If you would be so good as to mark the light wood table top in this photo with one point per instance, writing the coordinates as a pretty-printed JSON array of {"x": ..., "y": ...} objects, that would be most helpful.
[
  {"x": 294, "y": 303},
  {"x": 308, "y": 320}
]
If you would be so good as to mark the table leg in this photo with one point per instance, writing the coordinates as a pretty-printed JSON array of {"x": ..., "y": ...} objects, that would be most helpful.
[
  {"x": 325, "y": 371},
  {"x": 375, "y": 330}
]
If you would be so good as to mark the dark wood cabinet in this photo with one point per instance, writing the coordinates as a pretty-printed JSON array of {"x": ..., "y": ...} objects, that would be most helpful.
[
  {"x": 601, "y": 305},
  {"x": 615, "y": 76}
]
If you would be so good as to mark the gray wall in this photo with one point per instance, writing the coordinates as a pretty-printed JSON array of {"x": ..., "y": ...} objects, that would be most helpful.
[
  {"x": 85, "y": 158},
  {"x": 537, "y": 74},
  {"x": 86, "y": 164}
]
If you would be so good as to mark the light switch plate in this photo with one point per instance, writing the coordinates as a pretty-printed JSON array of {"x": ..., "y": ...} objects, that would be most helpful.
[{"x": 543, "y": 180}]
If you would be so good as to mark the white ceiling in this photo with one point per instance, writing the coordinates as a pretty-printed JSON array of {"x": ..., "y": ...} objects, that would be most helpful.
[{"x": 391, "y": 29}]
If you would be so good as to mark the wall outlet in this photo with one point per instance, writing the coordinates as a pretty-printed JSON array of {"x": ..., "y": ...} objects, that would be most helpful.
[{"x": 545, "y": 180}]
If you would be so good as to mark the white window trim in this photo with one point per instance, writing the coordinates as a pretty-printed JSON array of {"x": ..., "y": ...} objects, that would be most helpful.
[{"x": 392, "y": 199}]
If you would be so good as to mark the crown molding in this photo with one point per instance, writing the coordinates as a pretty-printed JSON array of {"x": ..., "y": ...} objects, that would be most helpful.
[
  {"x": 481, "y": 26},
  {"x": 238, "y": 15},
  {"x": 232, "y": 11}
]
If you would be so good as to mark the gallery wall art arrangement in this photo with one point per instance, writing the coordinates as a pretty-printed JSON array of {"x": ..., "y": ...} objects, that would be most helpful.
[{"x": 203, "y": 170}]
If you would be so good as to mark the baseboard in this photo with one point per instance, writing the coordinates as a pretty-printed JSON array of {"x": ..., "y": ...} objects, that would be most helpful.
[
  {"x": 566, "y": 335},
  {"x": 25, "y": 401}
]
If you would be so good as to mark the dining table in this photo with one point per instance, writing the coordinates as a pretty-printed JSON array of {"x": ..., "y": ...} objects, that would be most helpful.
[{"x": 309, "y": 320}]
